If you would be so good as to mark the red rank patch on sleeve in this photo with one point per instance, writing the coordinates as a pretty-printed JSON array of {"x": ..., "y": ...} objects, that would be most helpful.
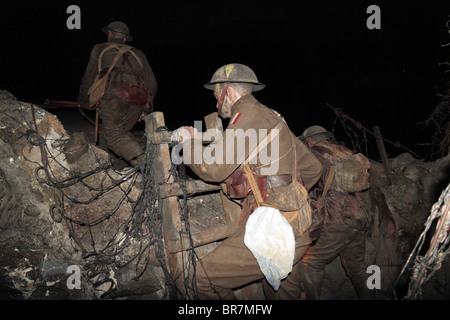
[{"x": 236, "y": 118}]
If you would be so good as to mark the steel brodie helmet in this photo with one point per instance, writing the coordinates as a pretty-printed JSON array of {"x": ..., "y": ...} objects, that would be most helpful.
[
  {"x": 313, "y": 130},
  {"x": 119, "y": 26},
  {"x": 234, "y": 72}
]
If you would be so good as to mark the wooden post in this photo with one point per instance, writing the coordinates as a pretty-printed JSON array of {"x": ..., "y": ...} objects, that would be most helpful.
[
  {"x": 212, "y": 121},
  {"x": 192, "y": 186},
  {"x": 170, "y": 210},
  {"x": 382, "y": 150},
  {"x": 164, "y": 137}
]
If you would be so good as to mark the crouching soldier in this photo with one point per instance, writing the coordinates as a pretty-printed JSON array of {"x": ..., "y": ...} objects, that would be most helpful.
[{"x": 293, "y": 172}]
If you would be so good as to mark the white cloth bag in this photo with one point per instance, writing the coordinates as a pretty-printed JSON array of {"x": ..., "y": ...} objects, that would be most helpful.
[{"x": 270, "y": 238}]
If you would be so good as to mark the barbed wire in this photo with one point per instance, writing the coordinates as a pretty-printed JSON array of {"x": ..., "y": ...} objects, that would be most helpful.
[
  {"x": 439, "y": 119},
  {"x": 356, "y": 138},
  {"x": 140, "y": 228}
]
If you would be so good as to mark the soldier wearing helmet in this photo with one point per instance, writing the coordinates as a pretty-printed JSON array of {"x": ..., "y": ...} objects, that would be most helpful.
[
  {"x": 232, "y": 265},
  {"x": 341, "y": 219},
  {"x": 130, "y": 90}
]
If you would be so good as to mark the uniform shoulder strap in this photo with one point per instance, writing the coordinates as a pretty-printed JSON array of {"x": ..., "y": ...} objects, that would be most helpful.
[
  {"x": 121, "y": 49},
  {"x": 248, "y": 171},
  {"x": 262, "y": 144}
]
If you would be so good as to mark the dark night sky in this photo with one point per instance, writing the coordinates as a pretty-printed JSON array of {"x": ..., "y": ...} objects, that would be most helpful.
[{"x": 308, "y": 53}]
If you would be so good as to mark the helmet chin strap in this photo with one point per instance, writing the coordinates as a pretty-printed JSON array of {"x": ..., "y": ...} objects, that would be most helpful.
[{"x": 222, "y": 98}]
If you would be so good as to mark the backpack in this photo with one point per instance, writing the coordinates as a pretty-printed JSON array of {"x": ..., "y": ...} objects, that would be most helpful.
[
  {"x": 135, "y": 94},
  {"x": 98, "y": 87},
  {"x": 351, "y": 171}
]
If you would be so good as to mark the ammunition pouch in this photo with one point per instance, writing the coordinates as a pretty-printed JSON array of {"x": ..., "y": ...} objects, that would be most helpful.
[
  {"x": 238, "y": 186},
  {"x": 279, "y": 190}
]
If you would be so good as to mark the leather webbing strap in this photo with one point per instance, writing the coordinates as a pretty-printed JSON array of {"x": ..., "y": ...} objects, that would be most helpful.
[
  {"x": 248, "y": 171},
  {"x": 319, "y": 202}
]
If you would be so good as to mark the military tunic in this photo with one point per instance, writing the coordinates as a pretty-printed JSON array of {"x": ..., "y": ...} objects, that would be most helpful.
[
  {"x": 232, "y": 264},
  {"x": 340, "y": 228},
  {"x": 119, "y": 116}
]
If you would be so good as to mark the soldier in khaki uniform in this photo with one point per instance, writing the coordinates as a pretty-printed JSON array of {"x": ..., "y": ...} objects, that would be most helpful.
[
  {"x": 342, "y": 220},
  {"x": 232, "y": 264},
  {"x": 130, "y": 90}
]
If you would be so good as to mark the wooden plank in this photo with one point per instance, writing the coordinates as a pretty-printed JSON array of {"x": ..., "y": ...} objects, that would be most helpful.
[
  {"x": 192, "y": 186},
  {"x": 161, "y": 137},
  {"x": 212, "y": 121},
  {"x": 201, "y": 238},
  {"x": 169, "y": 207},
  {"x": 165, "y": 137}
]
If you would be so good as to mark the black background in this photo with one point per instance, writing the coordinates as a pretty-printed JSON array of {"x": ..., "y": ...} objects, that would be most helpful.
[{"x": 308, "y": 53}]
